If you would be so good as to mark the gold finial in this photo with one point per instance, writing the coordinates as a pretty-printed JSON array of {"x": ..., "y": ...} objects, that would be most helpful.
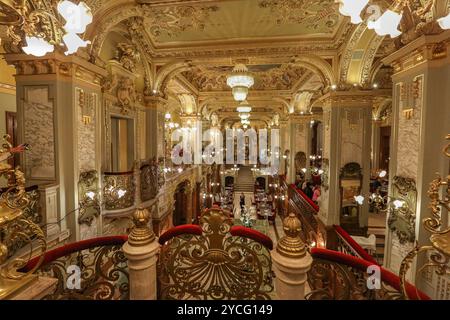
[
  {"x": 291, "y": 245},
  {"x": 142, "y": 233}
]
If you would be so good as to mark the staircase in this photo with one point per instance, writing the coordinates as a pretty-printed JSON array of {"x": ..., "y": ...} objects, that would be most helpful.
[
  {"x": 380, "y": 234},
  {"x": 245, "y": 181}
]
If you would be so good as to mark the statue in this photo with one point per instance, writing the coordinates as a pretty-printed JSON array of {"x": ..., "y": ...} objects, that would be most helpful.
[
  {"x": 127, "y": 56},
  {"x": 126, "y": 93}
]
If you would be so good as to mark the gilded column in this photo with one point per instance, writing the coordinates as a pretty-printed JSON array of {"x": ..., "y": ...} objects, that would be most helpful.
[
  {"x": 59, "y": 114},
  {"x": 346, "y": 158},
  {"x": 420, "y": 113},
  {"x": 188, "y": 196}
]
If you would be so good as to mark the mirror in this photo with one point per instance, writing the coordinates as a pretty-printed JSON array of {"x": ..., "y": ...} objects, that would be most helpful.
[{"x": 350, "y": 186}]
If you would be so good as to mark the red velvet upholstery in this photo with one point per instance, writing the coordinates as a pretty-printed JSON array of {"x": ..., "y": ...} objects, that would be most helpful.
[
  {"x": 240, "y": 231},
  {"x": 70, "y": 248},
  {"x": 360, "y": 250},
  {"x": 360, "y": 264},
  {"x": 176, "y": 231},
  {"x": 303, "y": 195}
]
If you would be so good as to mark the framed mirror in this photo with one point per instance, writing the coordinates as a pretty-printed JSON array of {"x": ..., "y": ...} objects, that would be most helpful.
[{"x": 350, "y": 181}]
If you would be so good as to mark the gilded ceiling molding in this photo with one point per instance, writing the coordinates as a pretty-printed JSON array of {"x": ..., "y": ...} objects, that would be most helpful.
[
  {"x": 348, "y": 52},
  {"x": 369, "y": 57},
  {"x": 103, "y": 24},
  {"x": 172, "y": 20},
  {"x": 313, "y": 13}
]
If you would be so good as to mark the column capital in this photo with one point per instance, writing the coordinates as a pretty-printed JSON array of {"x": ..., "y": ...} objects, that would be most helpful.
[
  {"x": 56, "y": 64},
  {"x": 427, "y": 48},
  {"x": 155, "y": 102},
  {"x": 353, "y": 98}
]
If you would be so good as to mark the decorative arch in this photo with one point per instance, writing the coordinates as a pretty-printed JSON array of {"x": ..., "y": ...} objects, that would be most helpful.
[
  {"x": 357, "y": 61},
  {"x": 166, "y": 72},
  {"x": 317, "y": 65}
]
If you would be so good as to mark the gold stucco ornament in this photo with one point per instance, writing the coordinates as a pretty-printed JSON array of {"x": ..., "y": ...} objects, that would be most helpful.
[{"x": 16, "y": 227}]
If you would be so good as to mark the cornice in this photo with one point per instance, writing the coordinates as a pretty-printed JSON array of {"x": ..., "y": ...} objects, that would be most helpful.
[
  {"x": 427, "y": 48},
  {"x": 352, "y": 98}
]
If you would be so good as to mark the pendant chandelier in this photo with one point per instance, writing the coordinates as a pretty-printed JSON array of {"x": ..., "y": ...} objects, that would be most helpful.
[
  {"x": 244, "y": 107},
  {"x": 37, "y": 26},
  {"x": 240, "y": 81},
  {"x": 384, "y": 24}
]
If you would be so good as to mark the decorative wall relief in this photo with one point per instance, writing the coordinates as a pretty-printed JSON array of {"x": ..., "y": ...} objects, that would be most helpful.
[
  {"x": 38, "y": 132},
  {"x": 152, "y": 179},
  {"x": 410, "y": 102},
  {"x": 127, "y": 55},
  {"x": 87, "y": 103},
  {"x": 352, "y": 136},
  {"x": 88, "y": 197},
  {"x": 402, "y": 212}
]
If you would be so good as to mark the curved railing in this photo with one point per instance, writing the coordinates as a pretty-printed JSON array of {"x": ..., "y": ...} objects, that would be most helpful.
[
  {"x": 94, "y": 269},
  {"x": 309, "y": 204},
  {"x": 338, "y": 276},
  {"x": 215, "y": 261},
  {"x": 346, "y": 244}
]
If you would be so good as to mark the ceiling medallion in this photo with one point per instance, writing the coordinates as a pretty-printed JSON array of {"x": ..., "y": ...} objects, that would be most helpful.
[
  {"x": 388, "y": 23},
  {"x": 240, "y": 80},
  {"x": 38, "y": 26}
]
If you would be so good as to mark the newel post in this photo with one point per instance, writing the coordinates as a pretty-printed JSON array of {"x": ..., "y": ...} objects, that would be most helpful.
[
  {"x": 291, "y": 262},
  {"x": 141, "y": 249}
]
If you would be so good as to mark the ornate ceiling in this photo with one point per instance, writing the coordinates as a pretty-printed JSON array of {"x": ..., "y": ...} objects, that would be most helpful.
[
  {"x": 267, "y": 77},
  {"x": 238, "y": 20}
]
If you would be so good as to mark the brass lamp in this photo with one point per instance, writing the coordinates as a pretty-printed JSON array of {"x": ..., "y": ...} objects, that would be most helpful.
[{"x": 15, "y": 228}]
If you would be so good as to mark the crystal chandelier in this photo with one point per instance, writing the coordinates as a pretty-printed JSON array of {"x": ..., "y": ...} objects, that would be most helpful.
[
  {"x": 385, "y": 24},
  {"x": 37, "y": 27},
  {"x": 240, "y": 80}
]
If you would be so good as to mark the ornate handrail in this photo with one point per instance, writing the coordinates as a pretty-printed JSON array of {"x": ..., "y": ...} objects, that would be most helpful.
[
  {"x": 307, "y": 215},
  {"x": 338, "y": 276},
  {"x": 99, "y": 264},
  {"x": 314, "y": 207},
  {"x": 347, "y": 245},
  {"x": 221, "y": 263}
]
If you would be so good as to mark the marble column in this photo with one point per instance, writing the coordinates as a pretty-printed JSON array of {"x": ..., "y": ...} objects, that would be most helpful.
[
  {"x": 284, "y": 144},
  {"x": 300, "y": 133},
  {"x": 347, "y": 120},
  {"x": 59, "y": 114},
  {"x": 421, "y": 114}
]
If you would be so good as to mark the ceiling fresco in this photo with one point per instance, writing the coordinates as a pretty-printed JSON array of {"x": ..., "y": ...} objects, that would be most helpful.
[
  {"x": 240, "y": 20},
  {"x": 267, "y": 77}
]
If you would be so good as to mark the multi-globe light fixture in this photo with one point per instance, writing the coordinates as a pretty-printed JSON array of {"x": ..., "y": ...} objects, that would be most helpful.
[
  {"x": 383, "y": 24},
  {"x": 240, "y": 81},
  {"x": 38, "y": 27}
]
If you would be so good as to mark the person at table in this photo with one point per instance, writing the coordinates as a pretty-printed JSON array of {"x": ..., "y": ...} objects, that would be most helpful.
[
  {"x": 316, "y": 194},
  {"x": 308, "y": 190},
  {"x": 242, "y": 200}
]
